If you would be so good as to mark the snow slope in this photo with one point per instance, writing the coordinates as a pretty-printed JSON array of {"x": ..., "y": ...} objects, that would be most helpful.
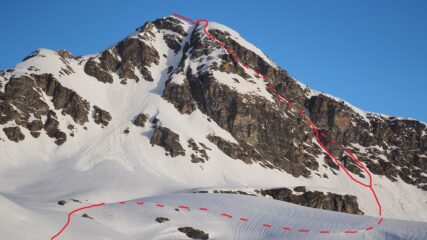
[{"x": 135, "y": 219}]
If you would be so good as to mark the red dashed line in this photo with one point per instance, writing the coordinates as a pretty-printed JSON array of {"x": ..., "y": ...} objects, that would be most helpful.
[
  {"x": 226, "y": 215},
  {"x": 287, "y": 228},
  {"x": 266, "y": 225},
  {"x": 184, "y": 207},
  {"x": 380, "y": 221}
]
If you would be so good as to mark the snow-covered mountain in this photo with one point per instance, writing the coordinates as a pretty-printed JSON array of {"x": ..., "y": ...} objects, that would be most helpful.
[{"x": 168, "y": 116}]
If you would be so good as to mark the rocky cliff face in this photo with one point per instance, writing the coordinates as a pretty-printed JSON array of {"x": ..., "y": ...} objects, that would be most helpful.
[
  {"x": 387, "y": 145},
  {"x": 195, "y": 75}
]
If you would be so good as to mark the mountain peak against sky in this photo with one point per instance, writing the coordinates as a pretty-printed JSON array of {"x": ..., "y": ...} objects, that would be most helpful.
[
  {"x": 328, "y": 46},
  {"x": 179, "y": 115}
]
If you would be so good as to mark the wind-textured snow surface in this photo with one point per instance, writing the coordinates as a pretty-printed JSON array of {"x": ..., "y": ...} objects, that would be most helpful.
[
  {"x": 246, "y": 218},
  {"x": 106, "y": 165}
]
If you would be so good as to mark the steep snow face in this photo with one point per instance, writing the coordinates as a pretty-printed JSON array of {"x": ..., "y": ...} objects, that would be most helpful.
[
  {"x": 239, "y": 39},
  {"x": 119, "y": 161}
]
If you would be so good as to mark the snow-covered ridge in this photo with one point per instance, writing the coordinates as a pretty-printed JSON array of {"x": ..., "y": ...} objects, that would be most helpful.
[{"x": 239, "y": 39}]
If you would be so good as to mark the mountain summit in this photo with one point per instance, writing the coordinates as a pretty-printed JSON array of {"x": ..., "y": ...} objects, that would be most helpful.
[{"x": 168, "y": 115}]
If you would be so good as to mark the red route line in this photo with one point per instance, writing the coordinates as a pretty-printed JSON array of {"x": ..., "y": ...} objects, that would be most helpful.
[
  {"x": 184, "y": 207},
  {"x": 290, "y": 105},
  {"x": 226, "y": 215},
  {"x": 310, "y": 123},
  {"x": 266, "y": 225},
  {"x": 69, "y": 218}
]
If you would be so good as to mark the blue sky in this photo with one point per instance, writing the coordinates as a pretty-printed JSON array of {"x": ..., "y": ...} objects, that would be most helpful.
[{"x": 370, "y": 53}]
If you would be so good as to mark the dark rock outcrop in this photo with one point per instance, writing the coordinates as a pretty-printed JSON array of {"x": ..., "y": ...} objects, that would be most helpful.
[
  {"x": 315, "y": 199},
  {"x": 173, "y": 42},
  {"x": 300, "y": 196},
  {"x": 167, "y": 139},
  {"x": 51, "y": 127},
  {"x": 19, "y": 100},
  {"x": 241, "y": 151},
  {"x": 169, "y": 23},
  {"x": 64, "y": 53},
  {"x": 140, "y": 120},
  {"x": 134, "y": 54},
  {"x": 161, "y": 219},
  {"x": 180, "y": 96},
  {"x": 194, "y": 233},
  {"x": 85, "y": 215},
  {"x": 94, "y": 69},
  {"x": 23, "y": 98},
  {"x": 200, "y": 153},
  {"x": 35, "y": 126},
  {"x": 63, "y": 98},
  {"x": 14, "y": 134},
  {"x": 101, "y": 116}
]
